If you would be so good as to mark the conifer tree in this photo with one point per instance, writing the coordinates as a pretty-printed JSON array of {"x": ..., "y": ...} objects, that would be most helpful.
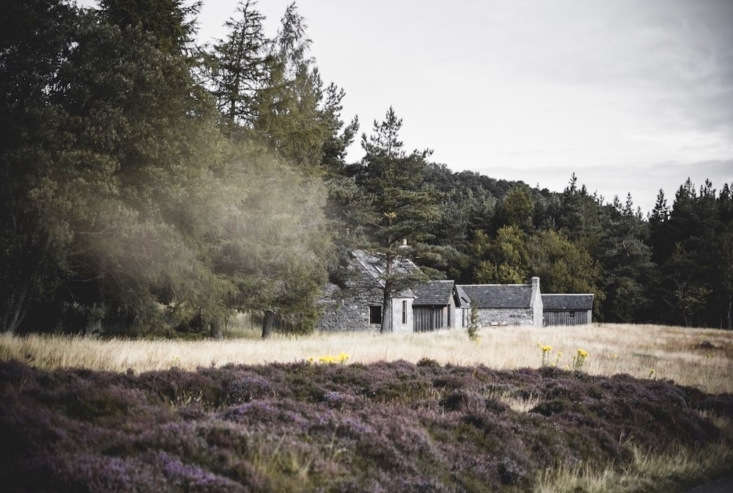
[
  {"x": 238, "y": 65},
  {"x": 402, "y": 205}
]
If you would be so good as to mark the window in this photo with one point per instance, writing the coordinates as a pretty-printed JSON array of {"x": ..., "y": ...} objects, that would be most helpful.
[
  {"x": 404, "y": 312},
  {"x": 375, "y": 314}
]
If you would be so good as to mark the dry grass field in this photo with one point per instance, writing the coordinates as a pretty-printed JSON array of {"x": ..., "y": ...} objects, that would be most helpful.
[{"x": 698, "y": 357}]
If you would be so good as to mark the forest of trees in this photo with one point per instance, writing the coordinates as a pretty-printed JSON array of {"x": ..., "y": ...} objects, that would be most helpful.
[{"x": 152, "y": 186}]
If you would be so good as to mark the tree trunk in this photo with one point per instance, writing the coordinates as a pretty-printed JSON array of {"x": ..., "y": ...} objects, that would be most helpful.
[
  {"x": 215, "y": 328},
  {"x": 385, "y": 309},
  {"x": 387, "y": 293},
  {"x": 268, "y": 321},
  {"x": 16, "y": 308}
]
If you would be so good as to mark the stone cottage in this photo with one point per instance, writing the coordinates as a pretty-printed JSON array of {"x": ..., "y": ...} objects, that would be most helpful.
[
  {"x": 358, "y": 304},
  {"x": 506, "y": 304},
  {"x": 433, "y": 305},
  {"x": 567, "y": 309}
]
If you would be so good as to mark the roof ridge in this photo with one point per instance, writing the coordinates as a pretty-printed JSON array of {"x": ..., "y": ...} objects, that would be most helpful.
[
  {"x": 568, "y": 294},
  {"x": 494, "y": 284}
]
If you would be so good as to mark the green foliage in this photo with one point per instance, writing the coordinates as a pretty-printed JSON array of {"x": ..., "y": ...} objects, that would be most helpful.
[
  {"x": 170, "y": 22},
  {"x": 506, "y": 256},
  {"x": 237, "y": 66},
  {"x": 517, "y": 208},
  {"x": 138, "y": 215},
  {"x": 563, "y": 266},
  {"x": 294, "y": 113}
]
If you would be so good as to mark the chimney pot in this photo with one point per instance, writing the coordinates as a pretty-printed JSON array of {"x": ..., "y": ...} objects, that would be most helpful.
[{"x": 535, "y": 284}]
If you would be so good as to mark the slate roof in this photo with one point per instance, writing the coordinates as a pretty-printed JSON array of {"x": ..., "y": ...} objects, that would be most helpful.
[
  {"x": 499, "y": 295},
  {"x": 373, "y": 266},
  {"x": 433, "y": 293},
  {"x": 463, "y": 300},
  {"x": 567, "y": 302}
]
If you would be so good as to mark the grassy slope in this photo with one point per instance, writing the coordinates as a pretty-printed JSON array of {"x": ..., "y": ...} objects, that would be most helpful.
[{"x": 379, "y": 427}]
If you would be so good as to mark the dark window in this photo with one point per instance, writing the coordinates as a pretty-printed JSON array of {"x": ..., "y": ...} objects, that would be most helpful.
[
  {"x": 572, "y": 314},
  {"x": 404, "y": 312},
  {"x": 375, "y": 314}
]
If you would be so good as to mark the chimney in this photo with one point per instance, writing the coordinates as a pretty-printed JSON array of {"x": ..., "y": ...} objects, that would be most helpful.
[{"x": 536, "y": 302}]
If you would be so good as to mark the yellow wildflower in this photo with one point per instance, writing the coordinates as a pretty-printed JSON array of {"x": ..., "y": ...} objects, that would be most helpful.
[{"x": 579, "y": 359}]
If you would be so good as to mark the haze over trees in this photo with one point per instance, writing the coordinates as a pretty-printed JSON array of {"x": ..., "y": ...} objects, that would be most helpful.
[{"x": 152, "y": 186}]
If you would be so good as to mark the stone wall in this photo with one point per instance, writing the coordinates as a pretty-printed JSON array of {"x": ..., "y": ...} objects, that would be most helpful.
[
  {"x": 347, "y": 309},
  {"x": 488, "y": 317}
]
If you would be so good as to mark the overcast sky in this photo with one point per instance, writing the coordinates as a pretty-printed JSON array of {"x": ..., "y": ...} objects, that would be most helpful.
[{"x": 631, "y": 95}]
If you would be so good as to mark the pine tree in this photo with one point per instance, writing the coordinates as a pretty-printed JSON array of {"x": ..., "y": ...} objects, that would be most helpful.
[
  {"x": 402, "y": 207},
  {"x": 171, "y": 22},
  {"x": 296, "y": 115},
  {"x": 238, "y": 65}
]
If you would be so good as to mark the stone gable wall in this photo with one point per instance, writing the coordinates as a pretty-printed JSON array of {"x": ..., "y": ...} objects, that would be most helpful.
[{"x": 348, "y": 308}]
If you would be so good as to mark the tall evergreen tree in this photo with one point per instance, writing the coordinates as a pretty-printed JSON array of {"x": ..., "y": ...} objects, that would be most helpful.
[
  {"x": 34, "y": 36},
  {"x": 238, "y": 65},
  {"x": 402, "y": 206},
  {"x": 172, "y": 23}
]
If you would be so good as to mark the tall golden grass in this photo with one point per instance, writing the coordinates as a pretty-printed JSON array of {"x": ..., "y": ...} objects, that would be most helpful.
[
  {"x": 697, "y": 357},
  {"x": 647, "y": 472}
]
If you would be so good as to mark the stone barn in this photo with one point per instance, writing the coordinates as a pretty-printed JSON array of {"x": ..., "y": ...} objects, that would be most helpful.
[
  {"x": 506, "y": 304},
  {"x": 357, "y": 305},
  {"x": 567, "y": 309}
]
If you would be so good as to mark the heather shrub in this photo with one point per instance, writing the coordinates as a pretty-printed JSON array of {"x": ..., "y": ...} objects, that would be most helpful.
[{"x": 383, "y": 426}]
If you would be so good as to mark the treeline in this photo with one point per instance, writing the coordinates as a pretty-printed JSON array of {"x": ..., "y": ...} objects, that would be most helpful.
[
  {"x": 153, "y": 186},
  {"x": 674, "y": 265}
]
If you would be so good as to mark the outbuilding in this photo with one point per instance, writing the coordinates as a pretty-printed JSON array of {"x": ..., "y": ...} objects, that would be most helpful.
[
  {"x": 506, "y": 304},
  {"x": 434, "y": 306},
  {"x": 567, "y": 309}
]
